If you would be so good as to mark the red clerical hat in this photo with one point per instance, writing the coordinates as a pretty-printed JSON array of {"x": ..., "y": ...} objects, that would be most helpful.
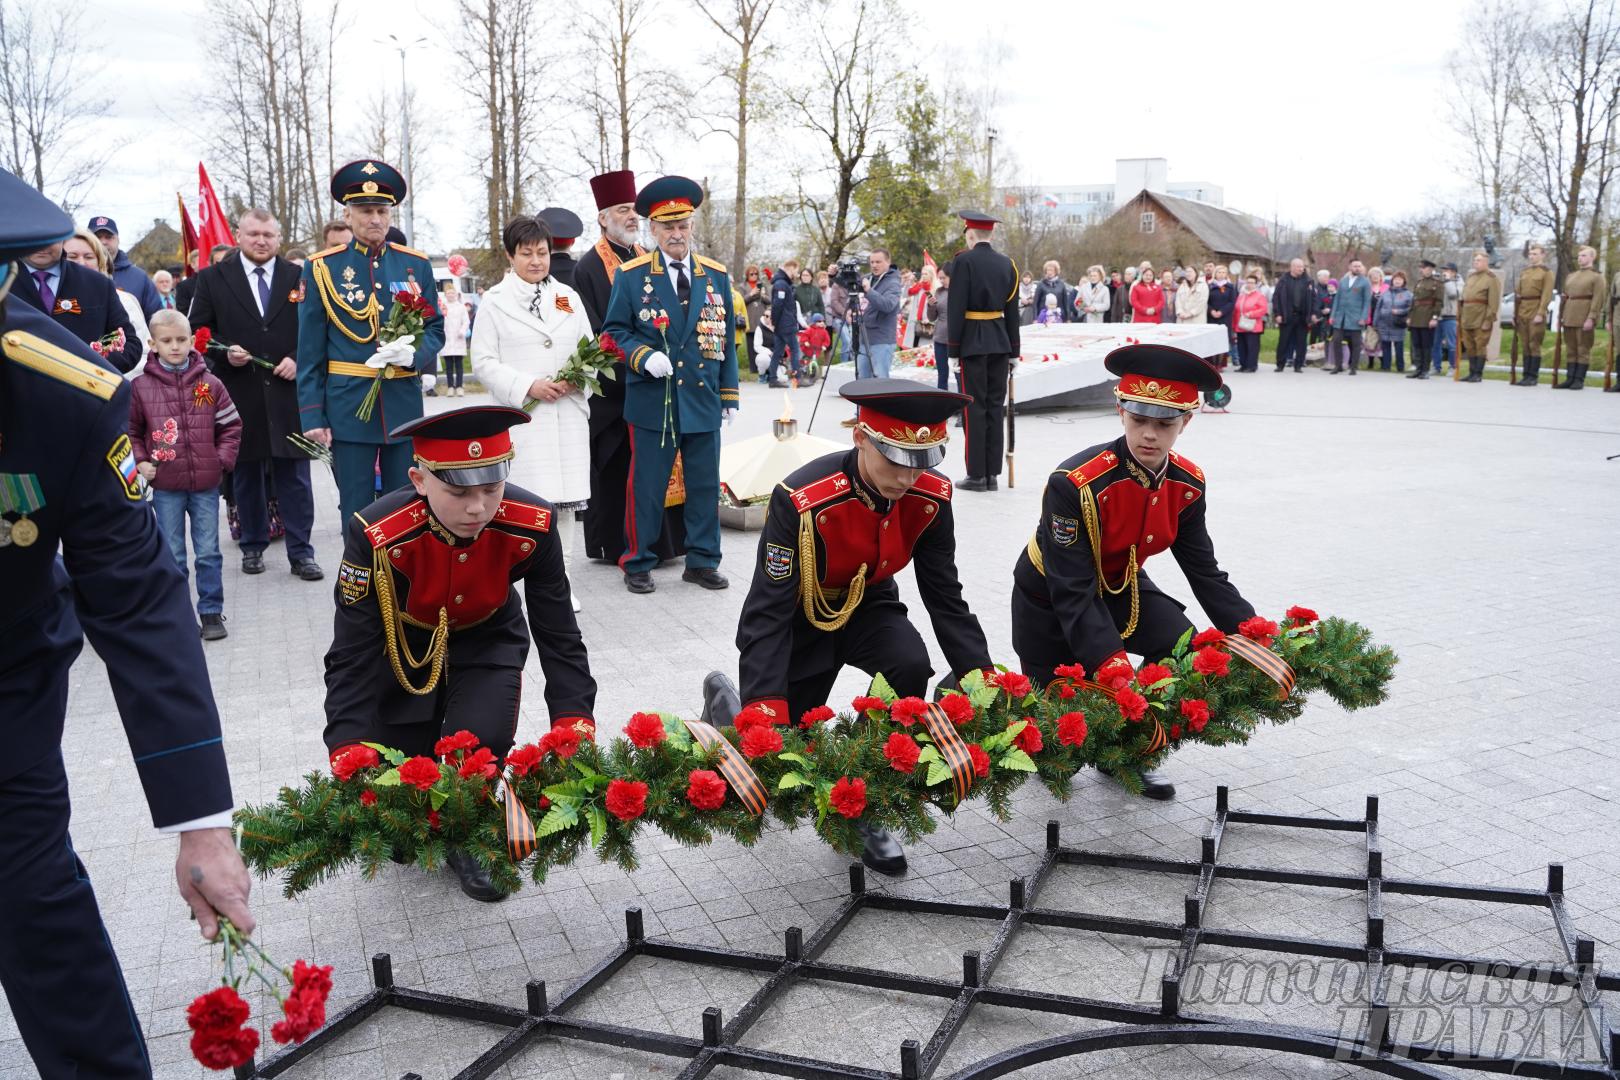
[{"x": 614, "y": 188}]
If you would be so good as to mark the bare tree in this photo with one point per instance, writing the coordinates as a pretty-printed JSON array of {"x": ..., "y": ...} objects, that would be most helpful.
[
  {"x": 743, "y": 24},
  {"x": 625, "y": 101},
  {"x": 1486, "y": 109},
  {"x": 45, "y": 99}
]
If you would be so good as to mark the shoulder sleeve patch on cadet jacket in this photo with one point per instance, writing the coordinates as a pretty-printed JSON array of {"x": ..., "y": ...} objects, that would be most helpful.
[
  {"x": 122, "y": 459},
  {"x": 55, "y": 362},
  {"x": 354, "y": 582},
  {"x": 1065, "y": 530},
  {"x": 778, "y": 561}
]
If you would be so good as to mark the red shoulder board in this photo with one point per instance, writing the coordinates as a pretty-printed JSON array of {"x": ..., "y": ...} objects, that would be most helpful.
[
  {"x": 386, "y": 530},
  {"x": 523, "y": 515},
  {"x": 937, "y": 486},
  {"x": 1197, "y": 473},
  {"x": 1085, "y": 474},
  {"x": 817, "y": 492}
]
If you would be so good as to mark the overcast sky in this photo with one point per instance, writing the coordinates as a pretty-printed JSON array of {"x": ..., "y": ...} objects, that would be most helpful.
[{"x": 1304, "y": 112}]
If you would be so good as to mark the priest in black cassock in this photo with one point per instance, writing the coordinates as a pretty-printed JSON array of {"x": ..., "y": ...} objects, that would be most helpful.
[{"x": 615, "y": 194}]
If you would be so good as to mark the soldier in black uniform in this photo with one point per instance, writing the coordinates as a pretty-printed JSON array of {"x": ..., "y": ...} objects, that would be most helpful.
[
  {"x": 838, "y": 531},
  {"x": 68, "y": 484},
  {"x": 982, "y": 329},
  {"x": 565, "y": 228},
  {"x": 1079, "y": 594},
  {"x": 430, "y": 637}
]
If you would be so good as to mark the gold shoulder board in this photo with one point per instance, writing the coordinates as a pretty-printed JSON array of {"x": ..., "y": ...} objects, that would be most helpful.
[
  {"x": 639, "y": 260},
  {"x": 710, "y": 263},
  {"x": 408, "y": 251},
  {"x": 330, "y": 251},
  {"x": 56, "y": 362}
]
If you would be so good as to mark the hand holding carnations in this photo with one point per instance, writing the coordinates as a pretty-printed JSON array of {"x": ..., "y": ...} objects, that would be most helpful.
[{"x": 219, "y": 1037}]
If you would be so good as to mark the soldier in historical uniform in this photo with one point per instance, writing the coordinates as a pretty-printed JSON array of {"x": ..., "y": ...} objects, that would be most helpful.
[
  {"x": 1585, "y": 298},
  {"x": 430, "y": 636},
  {"x": 1477, "y": 314},
  {"x": 1428, "y": 296},
  {"x": 824, "y": 594},
  {"x": 671, "y": 311},
  {"x": 982, "y": 331},
  {"x": 1079, "y": 592},
  {"x": 565, "y": 227},
  {"x": 346, "y": 295},
  {"x": 1532, "y": 299},
  {"x": 68, "y": 485}
]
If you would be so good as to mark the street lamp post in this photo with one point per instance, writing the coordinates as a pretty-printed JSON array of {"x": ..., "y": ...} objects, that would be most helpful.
[{"x": 408, "y": 211}]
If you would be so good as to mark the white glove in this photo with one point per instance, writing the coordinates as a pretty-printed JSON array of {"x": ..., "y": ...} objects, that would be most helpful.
[
  {"x": 728, "y": 415},
  {"x": 657, "y": 365},
  {"x": 401, "y": 353},
  {"x": 954, "y": 363}
]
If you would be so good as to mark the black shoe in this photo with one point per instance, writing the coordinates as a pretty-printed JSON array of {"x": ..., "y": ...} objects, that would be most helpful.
[
  {"x": 1280, "y": 368},
  {"x": 252, "y": 562},
  {"x": 308, "y": 570},
  {"x": 991, "y": 484},
  {"x": 973, "y": 483},
  {"x": 882, "y": 852},
  {"x": 777, "y": 384},
  {"x": 430, "y": 392},
  {"x": 474, "y": 878},
  {"x": 213, "y": 627},
  {"x": 639, "y": 583},
  {"x": 1154, "y": 785},
  {"x": 706, "y": 576},
  {"x": 721, "y": 702},
  {"x": 1419, "y": 373}
]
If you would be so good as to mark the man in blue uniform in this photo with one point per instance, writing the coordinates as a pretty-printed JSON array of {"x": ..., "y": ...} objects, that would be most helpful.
[
  {"x": 346, "y": 295},
  {"x": 671, "y": 311},
  {"x": 68, "y": 483}
]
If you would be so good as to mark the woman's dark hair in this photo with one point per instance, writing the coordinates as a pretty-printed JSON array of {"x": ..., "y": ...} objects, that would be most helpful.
[{"x": 524, "y": 230}]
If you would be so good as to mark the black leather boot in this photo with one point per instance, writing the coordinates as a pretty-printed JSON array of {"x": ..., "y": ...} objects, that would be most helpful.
[
  {"x": 1532, "y": 371},
  {"x": 882, "y": 852},
  {"x": 1575, "y": 378},
  {"x": 721, "y": 702},
  {"x": 1476, "y": 370},
  {"x": 474, "y": 879},
  {"x": 1154, "y": 785}
]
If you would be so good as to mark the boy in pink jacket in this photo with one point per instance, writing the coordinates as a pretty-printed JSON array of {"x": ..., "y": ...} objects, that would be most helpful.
[{"x": 185, "y": 432}]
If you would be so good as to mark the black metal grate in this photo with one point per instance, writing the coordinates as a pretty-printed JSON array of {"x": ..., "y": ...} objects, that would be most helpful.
[{"x": 718, "y": 1043}]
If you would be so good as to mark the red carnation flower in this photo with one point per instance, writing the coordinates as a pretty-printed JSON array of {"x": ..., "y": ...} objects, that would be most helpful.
[
  {"x": 562, "y": 741},
  {"x": 305, "y": 1006},
  {"x": 225, "y": 1049},
  {"x": 902, "y": 751},
  {"x": 220, "y": 1008},
  {"x": 351, "y": 759},
  {"x": 818, "y": 715},
  {"x": 1211, "y": 661},
  {"x": 848, "y": 797},
  {"x": 1301, "y": 615},
  {"x": 866, "y": 704},
  {"x": 201, "y": 338},
  {"x": 907, "y": 711},
  {"x": 368, "y": 798},
  {"x": 1116, "y": 674},
  {"x": 1132, "y": 706},
  {"x": 1028, "y": 740},
  {"x": 1016, "y": 684},
  {"x": 958, "y": 708},
  {"x": 1196, "y": 712},
  {"x": 1071, "y": 728},
  {"x": 478, "y": 765},
  {"x": 1069, "y": 671},
  {"x": 452, "y": 744},
  {"x": 524, "y": 759},
  {"x": 1175, "y": 731},
  {"x": 1258, "y": 629},
  {"x": 626, "y": 799},
  {"x": 1211, "y": 636},
  {"x": 645, "y": 729},
  {"x": 758, "y": 741},
  {"x": 981, "y": 760},
  {"x": 419, "y": 772},
  {"x": 751, "y": 716},
  {"x": 1065, "y": 691},
  {"x": 705, "y": 790},
  {"x": 1148, "y": 674},
  {"x": 434, "y": 820}
]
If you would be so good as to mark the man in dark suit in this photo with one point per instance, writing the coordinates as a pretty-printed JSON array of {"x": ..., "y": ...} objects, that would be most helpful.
[
  {"x": 81, "y": 301},
  {"x": 249, "y": 301}
]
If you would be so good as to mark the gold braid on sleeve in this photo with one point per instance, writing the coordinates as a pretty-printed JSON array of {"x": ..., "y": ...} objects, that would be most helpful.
[
  {"x": 371, "y": 313},
  {"x": 1088, "y": 509},
  {"x": 394, "y": 632},
  {"x": 822, "y": 615}
]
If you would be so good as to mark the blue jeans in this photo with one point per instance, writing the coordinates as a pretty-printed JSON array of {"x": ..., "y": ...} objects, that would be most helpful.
[
  {"x": 1445, "y": 341},
  {"x": 838, "y": 330},
  {"x": 873, "y": 360},
  {"x": 942, "y": 365},
  {"x": 173, "y": 507},
  {"x": 790, "y": 348}
]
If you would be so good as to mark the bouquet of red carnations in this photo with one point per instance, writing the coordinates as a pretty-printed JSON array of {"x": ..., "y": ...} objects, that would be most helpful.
[
  {"x": 592, "y": 361},
  {"x": 406, "y": 321},
  {"x": 219, "y": 1037}
]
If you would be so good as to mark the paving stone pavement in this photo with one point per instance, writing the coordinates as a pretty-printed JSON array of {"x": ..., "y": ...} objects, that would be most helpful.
[{"x": 1471, "y": 527}]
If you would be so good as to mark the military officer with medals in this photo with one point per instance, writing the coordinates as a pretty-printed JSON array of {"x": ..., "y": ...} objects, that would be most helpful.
[
  {"x": 982, "y": 331},
  {"x": 345, "y": 296},
  {"x": 671, "y": 312},
  {"x": 1532, "y": 300},
  {"x": 565, "y": 227},
  {"x": 824, "y": 595},
  {"x": 1585, "y": 298},
  {"x": 81, "y": 555},
  {"x": 1080, "y": 594},
  {"x": 430, "y": 636}
]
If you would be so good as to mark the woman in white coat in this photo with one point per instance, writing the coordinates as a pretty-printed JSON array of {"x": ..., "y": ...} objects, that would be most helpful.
[{"x": 528, "y": 326}]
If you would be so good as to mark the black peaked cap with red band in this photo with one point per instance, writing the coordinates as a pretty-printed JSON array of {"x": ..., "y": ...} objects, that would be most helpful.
[
  {"x": 464, "y": 447},
  {"x": 907, "y": 422},
  {"x": 977, "y": 219},
  {"x": 1160, "y": 381}
]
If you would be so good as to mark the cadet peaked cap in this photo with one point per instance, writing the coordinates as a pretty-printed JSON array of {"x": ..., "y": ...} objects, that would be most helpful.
[
  {"x": 464, "y": 447},
  {"x": 102, "y": 223},
  {"x": 669, "y": 198},
  {"x": 368, "y": 182},
  {"x": 564, "y": 225},
  {"x": 976, "y": 219},
  {"x": 28, "y": 220},
  {"x": 614, "y": 188},
  {"x": 1160, "y": 381},
  {"x": 906, "y": 421}
]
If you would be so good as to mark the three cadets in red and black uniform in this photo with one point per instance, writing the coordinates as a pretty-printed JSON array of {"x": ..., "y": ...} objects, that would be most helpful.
[
  {"x": 1104, "y": 510},
  {"x": 430, "y": 636},
  {"x": 981, "y": 319}
]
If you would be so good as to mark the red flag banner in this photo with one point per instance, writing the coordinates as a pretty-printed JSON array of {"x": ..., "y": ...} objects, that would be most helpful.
[
  {"x": 188, "y": 237},
  {"x": 212, "y": 228}
]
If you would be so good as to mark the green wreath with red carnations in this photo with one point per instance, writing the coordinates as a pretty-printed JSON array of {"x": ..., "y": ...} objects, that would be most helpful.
[{"x": 888, "y": 765}]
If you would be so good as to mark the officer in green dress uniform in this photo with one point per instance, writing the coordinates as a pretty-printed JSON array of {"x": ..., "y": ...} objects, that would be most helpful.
[{"x": 345, "y": 298}]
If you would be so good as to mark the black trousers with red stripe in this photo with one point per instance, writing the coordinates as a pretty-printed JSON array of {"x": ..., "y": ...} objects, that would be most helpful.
[
  {"x": 482, "y": 700},
  {"x": 1038, "y": 639},
  {"x": 984, "y": 379},
  {"x": 878, "y": 639}
]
